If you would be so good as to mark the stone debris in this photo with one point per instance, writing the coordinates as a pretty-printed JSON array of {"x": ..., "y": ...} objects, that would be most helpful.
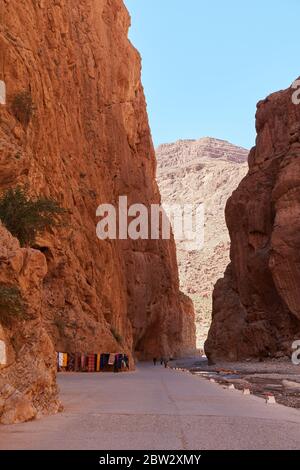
[
  {"x": 291, "y": 385},
  {"x": 270, "y": 400},
  {"x": 88, "y": 142},
  {"x": 279, "y": 378}
]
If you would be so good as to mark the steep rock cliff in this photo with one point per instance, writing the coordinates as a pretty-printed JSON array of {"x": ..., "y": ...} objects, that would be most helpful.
[
  {"x": 87, "y": 143},
  {"x": 256, "y": 306},
  {"x": 28, "y": 361}
]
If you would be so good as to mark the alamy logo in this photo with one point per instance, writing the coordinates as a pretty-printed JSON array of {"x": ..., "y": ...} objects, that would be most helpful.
[
  {"x": 296, "y": 94},
  {"x": 2, "y": 92},
  {"x": 139, "y": 222},
  {"x": 296, "y": 353}
]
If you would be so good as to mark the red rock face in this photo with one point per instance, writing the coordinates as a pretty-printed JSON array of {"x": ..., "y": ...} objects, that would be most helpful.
[
  {"x": 256, "y": 311},
  {"x": 87, "y": 143},
  {"x": 27, "y": 367}
]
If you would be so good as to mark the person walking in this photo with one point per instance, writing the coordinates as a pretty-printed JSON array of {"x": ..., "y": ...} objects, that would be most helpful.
[{"x": 154, "y": 361}]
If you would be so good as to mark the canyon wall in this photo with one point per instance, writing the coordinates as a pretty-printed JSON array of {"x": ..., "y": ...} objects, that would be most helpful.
[
  {"x": 256, "y": 306},
  {"x": 27, "y": 363},
  {"x": 194, "y": 172},
  {"x": 87, "y": 142}
]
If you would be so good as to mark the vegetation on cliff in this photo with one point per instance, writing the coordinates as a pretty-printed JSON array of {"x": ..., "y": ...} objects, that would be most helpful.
[
  {"x": 25, "y": 217},
  {"x": 11, "y": 304}
]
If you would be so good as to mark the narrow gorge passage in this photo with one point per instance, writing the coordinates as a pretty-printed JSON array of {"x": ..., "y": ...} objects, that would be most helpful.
[{"x": 149, "y": 211}]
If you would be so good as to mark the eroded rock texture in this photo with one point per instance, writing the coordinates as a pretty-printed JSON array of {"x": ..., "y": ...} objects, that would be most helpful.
[
  {"x": 256, "y": 307},
  {"x": 88, "y": 142},
  {"x": 28, "y": 360}
]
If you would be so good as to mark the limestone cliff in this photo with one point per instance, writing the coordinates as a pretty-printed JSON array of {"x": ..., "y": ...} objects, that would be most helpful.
[
  {"x": 88, "y": 142},
  {"x": 256, "y": 306}
]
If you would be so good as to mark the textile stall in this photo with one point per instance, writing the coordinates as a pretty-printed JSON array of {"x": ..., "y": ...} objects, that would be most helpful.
[{"x": 93, "y": 362}]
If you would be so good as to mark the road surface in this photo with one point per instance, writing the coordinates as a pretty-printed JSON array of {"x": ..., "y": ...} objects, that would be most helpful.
[{"x": 155, "y": 408}]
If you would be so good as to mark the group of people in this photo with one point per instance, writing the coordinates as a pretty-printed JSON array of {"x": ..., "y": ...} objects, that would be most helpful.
[{"x": 163, "y": 361}]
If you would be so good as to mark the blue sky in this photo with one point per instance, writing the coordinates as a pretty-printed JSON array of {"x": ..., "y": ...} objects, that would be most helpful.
[{"x": 206, "y": 63}]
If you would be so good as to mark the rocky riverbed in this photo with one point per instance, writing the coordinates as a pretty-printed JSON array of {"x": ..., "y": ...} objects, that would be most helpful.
[{"x": 274, "y": 377}]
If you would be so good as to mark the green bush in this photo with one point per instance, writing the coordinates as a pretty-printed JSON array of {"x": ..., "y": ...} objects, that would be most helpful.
[
  {"x": 25, "y": 218},
  {"x": 11, "y": 304},
  {"x": 22, "y": 107}
]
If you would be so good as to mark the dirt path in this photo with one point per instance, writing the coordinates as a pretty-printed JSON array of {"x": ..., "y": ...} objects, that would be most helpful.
[{"x": 155, "y": 408}]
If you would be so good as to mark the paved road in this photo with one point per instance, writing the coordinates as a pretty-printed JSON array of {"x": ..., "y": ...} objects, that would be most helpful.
[{"x": 155, "y": 408}]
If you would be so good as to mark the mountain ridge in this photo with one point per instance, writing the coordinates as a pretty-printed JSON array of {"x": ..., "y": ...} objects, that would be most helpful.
[{"x": 205, "y": 170}]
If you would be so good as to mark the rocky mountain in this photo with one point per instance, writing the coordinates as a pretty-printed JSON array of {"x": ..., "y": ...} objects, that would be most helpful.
[
  {"x": 256, "y": 306},
  {"x": 202, "y": 171},
  {"x": 86, "y": 142}
]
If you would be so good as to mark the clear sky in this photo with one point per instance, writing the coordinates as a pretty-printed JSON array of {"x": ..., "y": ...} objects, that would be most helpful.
[{"x": 206, "y": 63}]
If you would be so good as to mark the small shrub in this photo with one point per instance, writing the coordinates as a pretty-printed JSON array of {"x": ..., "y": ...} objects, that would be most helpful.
[
  {"x": 11, "y": 304},
  {"x": 116, "y": 335},
  {"x": 25, "y": 218},
  {"x": 22, "y": 107}
]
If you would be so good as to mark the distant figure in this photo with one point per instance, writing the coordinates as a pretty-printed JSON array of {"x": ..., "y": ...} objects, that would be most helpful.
[
  {"x": 166, "y": 362},
  {"x": 154, "y": 361},
  {"x": 161, "y": 361}
]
